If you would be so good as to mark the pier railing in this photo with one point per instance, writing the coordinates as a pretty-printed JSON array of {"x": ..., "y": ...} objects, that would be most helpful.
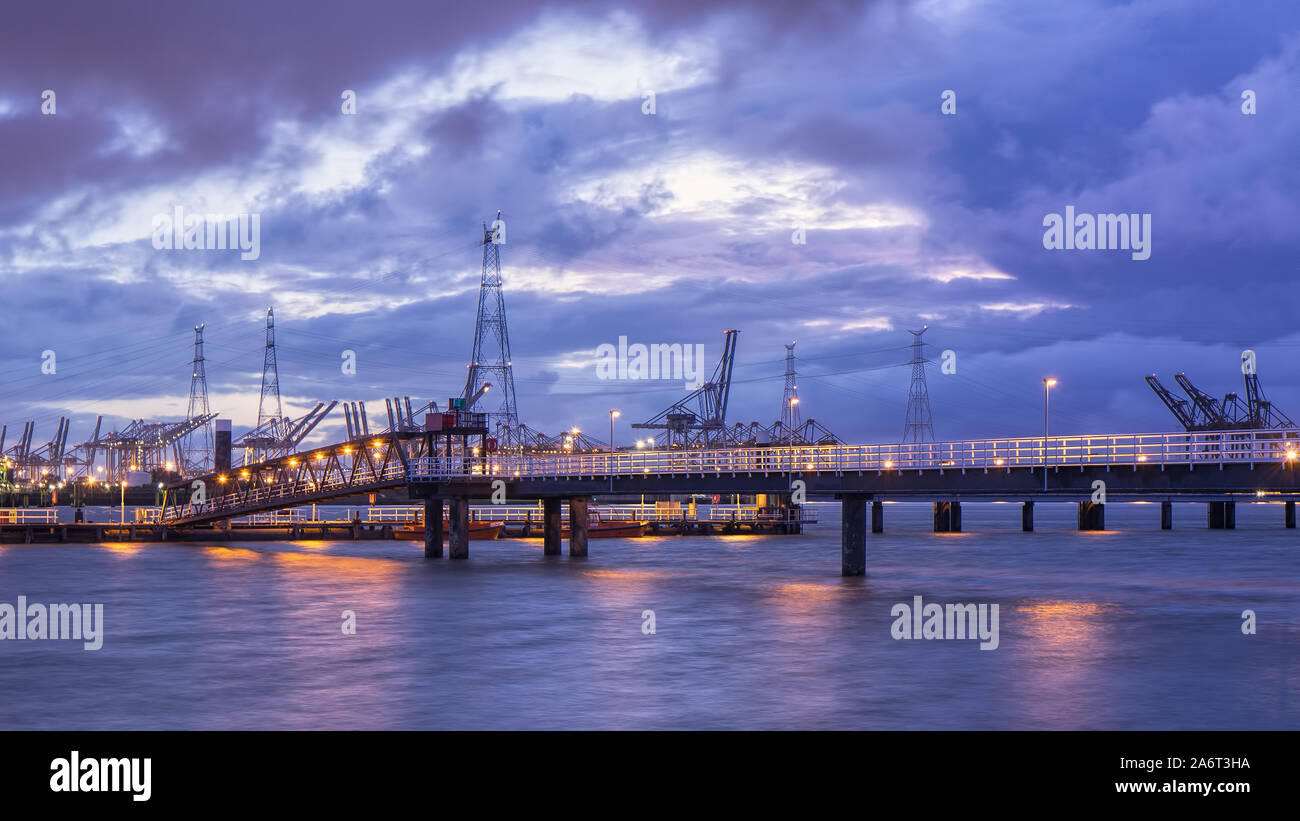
[
  {"x": 360, "y": 478},
  {"x": 28, "y": 515},
  {"x": 1123, "y": 449},
  {"x": 1190, "y": 448}
]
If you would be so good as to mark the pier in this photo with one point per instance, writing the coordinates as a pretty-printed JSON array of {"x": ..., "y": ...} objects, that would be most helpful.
[{"x": 1218, "y": 469}]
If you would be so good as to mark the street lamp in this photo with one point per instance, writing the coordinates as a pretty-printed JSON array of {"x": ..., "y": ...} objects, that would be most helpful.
[
  {"x": 794, "y": 400},
  {"x": 1047, "y": 391},
  {"x": 613, "y": 414}
]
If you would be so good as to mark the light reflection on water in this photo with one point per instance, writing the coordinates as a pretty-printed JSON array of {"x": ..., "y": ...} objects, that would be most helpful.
[{"x": 1127, "y": 628}]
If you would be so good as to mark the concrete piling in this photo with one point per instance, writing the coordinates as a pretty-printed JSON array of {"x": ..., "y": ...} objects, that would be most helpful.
[
  {"x": 853, "y": 535},
  {"x": 947, "y": 517},
  {"x": 458, "y": 537},
  {"x": 1221, "y": 515},
  {"x": 1092, "y": 516},
  {"x": 578, "y": 525},
  {"x": 433, "y": 528},
  {"x": 552, "y": 528}
]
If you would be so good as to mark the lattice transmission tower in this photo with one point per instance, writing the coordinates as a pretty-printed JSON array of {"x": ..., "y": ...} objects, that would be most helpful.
[
  {"x": 918, "y": 426},
  {"x": 490, "y": 360},
  {"x": 198, "y": 445},
  {"x": 790, "y": 399},
  {"x": 268, "y": 405}
]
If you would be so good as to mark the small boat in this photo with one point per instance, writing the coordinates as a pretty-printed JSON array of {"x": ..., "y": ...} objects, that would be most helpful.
[
  {"x": 607, "y": 529},
  {"x": 627, "y": 529},
  {"x": 477, "y": 530}
]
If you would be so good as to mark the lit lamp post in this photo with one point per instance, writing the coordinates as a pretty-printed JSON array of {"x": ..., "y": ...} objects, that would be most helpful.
[
  {"x": 1047, "y": 391},
  {"x": 613, "y": 414},
  {"x": 123, "y": 503},
  {"x": 794, "y": 400}
]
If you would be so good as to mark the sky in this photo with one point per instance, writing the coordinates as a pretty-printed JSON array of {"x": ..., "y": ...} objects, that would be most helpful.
[{"x": 917, "y": 148}]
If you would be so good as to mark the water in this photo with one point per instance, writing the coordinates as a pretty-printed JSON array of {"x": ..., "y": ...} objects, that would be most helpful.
[{"x": 1126, "y": 629}]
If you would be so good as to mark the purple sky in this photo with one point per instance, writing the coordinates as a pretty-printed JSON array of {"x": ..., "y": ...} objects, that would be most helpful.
[{"x": 666, "y": 228}]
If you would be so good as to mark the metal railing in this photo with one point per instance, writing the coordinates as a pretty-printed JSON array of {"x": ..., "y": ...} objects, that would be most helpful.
[
  {"x": 720, "y": 513},
  {"x": 1124, "y": 449},
  {"x": 264, "y": 496},
  {"x": 395, "y": 514},
  {"x": 1191, "y": 448},
  {"x": 29, "y": 516},
  {"x": 283, "y": 516}
]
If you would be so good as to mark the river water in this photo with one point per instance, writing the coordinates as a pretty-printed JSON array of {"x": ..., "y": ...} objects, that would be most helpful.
[{"x": 1128, "y": 628}]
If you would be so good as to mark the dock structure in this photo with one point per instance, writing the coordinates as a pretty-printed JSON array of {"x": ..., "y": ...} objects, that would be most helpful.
[
  {"x": 1216, "y": 469},
  {"x": 379, "y": 522}
]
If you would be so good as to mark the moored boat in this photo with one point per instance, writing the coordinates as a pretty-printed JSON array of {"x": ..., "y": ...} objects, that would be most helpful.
[
  {"x": 477, "y": 530},
  {"x": 626, "y": 529}
]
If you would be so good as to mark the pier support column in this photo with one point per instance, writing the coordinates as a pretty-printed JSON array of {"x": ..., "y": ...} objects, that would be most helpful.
[
  {"x": 578, "y": 525},
  {"x": 877, "y": 517},
  {"x": 1092, "y": 516},
  {"x": 853, "y": 534},
  {"x": 551, "y": 527},
  {"x": 1027, "y": 517},
  {"x": 1290, "y": 515},
  {"x": 947, "y": 517},
  {"x": 458, "y": 532},
  {"x": 1166, "y": 515},
  {"x": 433, "y": 528},
  {"x": 1221, "y": 515}
]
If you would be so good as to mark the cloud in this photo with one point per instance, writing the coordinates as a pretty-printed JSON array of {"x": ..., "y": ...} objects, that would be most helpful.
[{"x": 668, "y": 227}]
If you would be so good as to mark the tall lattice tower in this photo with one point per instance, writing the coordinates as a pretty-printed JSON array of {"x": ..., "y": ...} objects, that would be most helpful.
[
  {"x": 790, "y": 399},
  {"x": 490, "y": 361},
  {"x": 268, "y": 406},
  {"x": 918, "y": 426},
  {"x": 198, "y": 445}
]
